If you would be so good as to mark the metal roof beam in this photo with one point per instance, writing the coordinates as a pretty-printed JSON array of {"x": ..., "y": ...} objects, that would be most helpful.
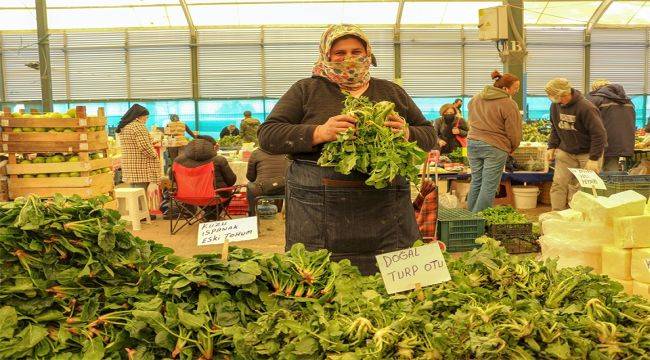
[
  {"x": 188, "y": 17},
  {"x": 600, "y": 11}
]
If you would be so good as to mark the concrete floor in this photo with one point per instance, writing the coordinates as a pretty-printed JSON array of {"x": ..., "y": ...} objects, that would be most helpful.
[{"x": 271, "y": 237}]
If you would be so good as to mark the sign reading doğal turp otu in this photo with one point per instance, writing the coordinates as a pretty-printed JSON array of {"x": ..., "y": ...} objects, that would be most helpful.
[{"x": 402, "y": 270}]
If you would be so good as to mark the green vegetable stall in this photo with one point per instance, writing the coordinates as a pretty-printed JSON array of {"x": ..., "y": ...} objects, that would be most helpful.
[{"x": 76, "y": 285}]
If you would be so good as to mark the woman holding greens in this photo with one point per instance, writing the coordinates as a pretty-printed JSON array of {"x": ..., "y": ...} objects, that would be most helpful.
[{"x": 326, "y": 209}]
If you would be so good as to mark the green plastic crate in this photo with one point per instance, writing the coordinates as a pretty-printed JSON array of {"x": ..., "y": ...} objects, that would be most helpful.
[{"x": 459, "y": 228}]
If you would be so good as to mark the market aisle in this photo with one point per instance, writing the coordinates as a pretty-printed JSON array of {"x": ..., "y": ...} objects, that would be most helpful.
[{"x": 184, "y": 242}]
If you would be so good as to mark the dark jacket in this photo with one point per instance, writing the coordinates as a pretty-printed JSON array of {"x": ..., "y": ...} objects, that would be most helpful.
[
  {"x": 289, "y": 128},
  {"x": 268, "y": 172},
  {"x": 576, "y": 128},
  {"x": 443, "y": 131},
  {"x": 619, "y": 119},
  {"x": 200, "y": 152},
  {"x": 226, "y": 132}
]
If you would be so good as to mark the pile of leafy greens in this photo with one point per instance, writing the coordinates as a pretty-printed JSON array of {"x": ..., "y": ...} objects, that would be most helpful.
[
  {"x": 503, "y": 215},
  {"x": 75, "y": 285},
  {"x": 371, "y": 147},
  {"x": 231, "y": 141}
]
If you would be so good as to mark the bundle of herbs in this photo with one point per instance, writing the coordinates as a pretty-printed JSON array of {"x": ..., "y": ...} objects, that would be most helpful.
[
  {"x": 371, "y": 147},
  {"x": 503, "y": 214},
  {"x": 68, "y": 290}
]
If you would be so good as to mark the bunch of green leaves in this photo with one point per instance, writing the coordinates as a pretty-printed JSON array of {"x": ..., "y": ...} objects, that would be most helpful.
[
  {"x": 503, "y": 215},
  {"x": 299, "y": 305},
  {"x": 230, "y": 141},
  {"x": 456, "y": 156},
  {"x": 536, "y": 131},
  {"x": 371, "y": 147}
]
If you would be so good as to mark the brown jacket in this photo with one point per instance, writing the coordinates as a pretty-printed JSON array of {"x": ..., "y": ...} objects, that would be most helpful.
[{"x": 494, "y": 119}]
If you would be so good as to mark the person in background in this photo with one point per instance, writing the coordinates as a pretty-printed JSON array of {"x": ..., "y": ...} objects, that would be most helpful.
[
  {"x": 202, "y": 151},
  {"x": 496, "y": 132},
  {"x": 647, "y": 126},
  {"x": 140, "y": 162},
  {"x": 578, "y": 139},
  {"x": 266, "y": 174},
  {"x": 458, "y": 104},
  {"x": 230, "y": 130},
  {"x": 619, "y": 118},
  {"x": 326, "y": 209},
  {"x": 449, "y": 128},
  {"x": 248, "y": 127},
  {"x": 175, "y": 131}
]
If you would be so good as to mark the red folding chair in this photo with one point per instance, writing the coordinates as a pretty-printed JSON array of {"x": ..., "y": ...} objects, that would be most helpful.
[{"x": 193, "y": 197}]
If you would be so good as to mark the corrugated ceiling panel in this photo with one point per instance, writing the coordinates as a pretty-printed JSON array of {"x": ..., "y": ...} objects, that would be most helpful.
[
  {"x": 160, "y": 73},
  {"x": 431, "y": 62},
  {"x": 481, "y": 58},
  {"x": 382, "y": 46},
  {"x": 57, "y": 58},
  {"x": 159, "y": 37},
  {"x": 286, "y": 64},
  {"x": 230, "y": 63},
  {"x": 21, "y": 82},
  {"x": 553, "y": 53},
  {"x": 97, "y": 65}
]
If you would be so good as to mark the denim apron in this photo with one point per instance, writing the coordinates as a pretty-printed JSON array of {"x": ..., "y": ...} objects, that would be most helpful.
[{"x": 328, "y": 210}]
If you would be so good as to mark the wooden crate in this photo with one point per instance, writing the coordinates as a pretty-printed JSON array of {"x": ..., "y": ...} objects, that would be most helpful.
[
  {"x": 84, "y": 186},
  {"x": 83, "y": 138},
  {"x": 65, "y": 167}
]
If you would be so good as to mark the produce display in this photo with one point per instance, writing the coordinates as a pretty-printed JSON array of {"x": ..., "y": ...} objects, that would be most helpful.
[
  {"x": 503, "y": 215},
  {"x": 230, "y": 141},
  {"x": 371, "y": 147},
  {"x": 76, "y": 285},
  {"x": 641, "y": 140},
  {"x": 536, "y": 131},
  {"x": 60, "y": 158}
]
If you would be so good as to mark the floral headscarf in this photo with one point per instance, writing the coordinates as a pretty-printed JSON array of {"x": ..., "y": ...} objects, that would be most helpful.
[{"x": 352, "y": 73}]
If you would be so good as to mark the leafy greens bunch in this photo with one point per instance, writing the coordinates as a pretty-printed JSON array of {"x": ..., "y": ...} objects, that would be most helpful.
[
  {"x": 503, "y": 215},
  {"x": 371, "y": 147},
  {"x": 75, "y": 285}
]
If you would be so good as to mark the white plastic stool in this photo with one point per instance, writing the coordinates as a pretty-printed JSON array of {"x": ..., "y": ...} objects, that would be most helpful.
[{"x": 133, "y": 205}]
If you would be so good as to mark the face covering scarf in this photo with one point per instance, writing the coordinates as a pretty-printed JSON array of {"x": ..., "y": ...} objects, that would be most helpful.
[{"x": 350, "y": 74}]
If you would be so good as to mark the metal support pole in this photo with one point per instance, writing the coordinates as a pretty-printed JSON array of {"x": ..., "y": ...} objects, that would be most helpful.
[
  {"x": 515, "y": 65},
  {"x": 44, "y": 67},
  {"x": 587, "y": 62},
  {"x": 3, "y": 88},
  {"x": 194, "y": 58},
  {"x": 397, "y": 45},
  {"x": 463, "y": 76}
]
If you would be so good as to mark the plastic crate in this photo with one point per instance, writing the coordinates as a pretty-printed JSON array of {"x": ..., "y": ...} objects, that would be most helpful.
[
  {"x": 520, "y": 245},
  {"x": 619, "y": 183},
  {"x": 238, "y": 205},
  {"x": 459, "y": 228},
  {"x": 512, "y": 230}
]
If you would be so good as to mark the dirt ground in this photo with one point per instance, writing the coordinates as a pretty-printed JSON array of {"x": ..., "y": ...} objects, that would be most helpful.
[{"x": 271, "y": 235}]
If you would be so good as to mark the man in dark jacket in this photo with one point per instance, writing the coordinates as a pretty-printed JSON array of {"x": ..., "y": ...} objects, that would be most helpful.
[
  {"x": 577, "y": 140},
  {"x": 619, "y": 119},
  {"x": 202, "y": 151},
  {"x": 266, "y": 174},
  {"x": 230, "y": 130}
]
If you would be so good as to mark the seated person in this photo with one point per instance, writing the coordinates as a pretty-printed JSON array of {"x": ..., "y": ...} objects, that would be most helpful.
[
  {"x": 449, "y": 127},
  {"x": 266, "y": 174},
  {"x": 230, "y": 130},
  {"x": 200, "y": 152}
]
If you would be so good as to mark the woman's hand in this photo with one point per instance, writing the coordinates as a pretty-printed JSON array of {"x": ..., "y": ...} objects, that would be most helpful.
[
  {"x": 397, "y": 124},
  {"x": 334, "y": 125},
  {"x": 455, "y": 131}
]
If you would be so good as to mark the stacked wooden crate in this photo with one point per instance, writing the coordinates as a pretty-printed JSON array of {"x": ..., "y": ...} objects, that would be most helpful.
[{"x": 83, "y": 137}]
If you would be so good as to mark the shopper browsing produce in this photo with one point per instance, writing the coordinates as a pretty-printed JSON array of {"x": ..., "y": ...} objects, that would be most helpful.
[
  {"x": 495, "y": 133},
  {"x": 577, "y": 140},
  {"x": 451, "y": 129},
  {"x": 140, "y": 163},
  {"x": 619, "y": 118},
  {"x": 353, "y": 215},
  {"x": 230, "y": 130}
]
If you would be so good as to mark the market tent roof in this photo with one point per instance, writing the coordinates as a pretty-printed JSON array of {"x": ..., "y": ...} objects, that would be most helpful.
[{"x": 88, "y": 14}]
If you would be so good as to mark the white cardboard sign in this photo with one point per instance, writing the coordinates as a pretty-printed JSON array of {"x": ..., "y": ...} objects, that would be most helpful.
[
  {"x": 216, "y": 232},
  {"x": 588, "y": 179},
  {"x": 402, "y": 270}
]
